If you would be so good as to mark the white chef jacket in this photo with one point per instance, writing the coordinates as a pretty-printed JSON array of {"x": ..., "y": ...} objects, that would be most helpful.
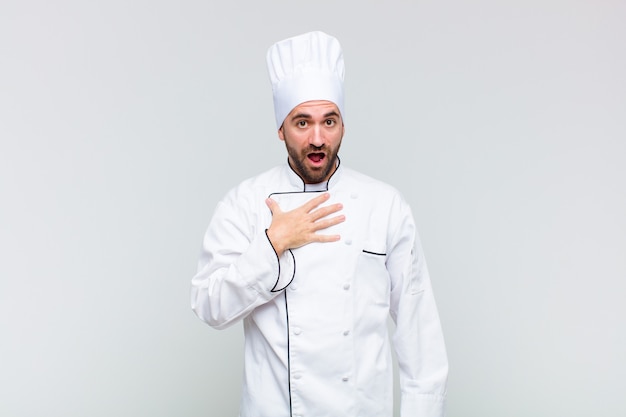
[{"x": 315, "y": 320}]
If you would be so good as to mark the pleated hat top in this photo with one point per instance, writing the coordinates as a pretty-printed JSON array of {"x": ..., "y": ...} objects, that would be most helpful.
[{"x": 304, "y": 68}]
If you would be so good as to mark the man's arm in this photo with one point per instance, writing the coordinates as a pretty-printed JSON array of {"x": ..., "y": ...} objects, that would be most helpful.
[
  {"x": 418, "y": 339},
  {"x": 238, "y": 270}
]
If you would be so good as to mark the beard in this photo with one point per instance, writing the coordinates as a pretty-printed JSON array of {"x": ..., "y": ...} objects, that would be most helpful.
[{"x": 313, "y": 175}]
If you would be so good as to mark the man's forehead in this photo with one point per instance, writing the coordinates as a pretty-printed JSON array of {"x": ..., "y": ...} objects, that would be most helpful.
[{"x": 315, "y": 107}]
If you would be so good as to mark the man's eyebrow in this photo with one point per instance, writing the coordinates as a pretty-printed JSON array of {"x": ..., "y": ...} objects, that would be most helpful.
[
  {"x": 301, "y": 116},
  {"x": 297, "y": 116}
]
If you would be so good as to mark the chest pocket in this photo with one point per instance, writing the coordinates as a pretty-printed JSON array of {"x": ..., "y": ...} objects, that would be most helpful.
[{"x": 371, "y": 280}]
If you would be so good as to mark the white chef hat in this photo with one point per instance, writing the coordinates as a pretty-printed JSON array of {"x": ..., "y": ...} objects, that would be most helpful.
[{"x": 303, "y": 68}]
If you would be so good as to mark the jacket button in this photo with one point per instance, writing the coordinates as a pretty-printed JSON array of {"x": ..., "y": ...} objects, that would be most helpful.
[
  {"x": 297, "y": 331},
  {"x": 348, "y": 241},
  {"x": 346, "y": 332},
  {"x": 354, "y": 195},
  {"x": 345, "y": 379},
  {"x": 346, "y": 287}
]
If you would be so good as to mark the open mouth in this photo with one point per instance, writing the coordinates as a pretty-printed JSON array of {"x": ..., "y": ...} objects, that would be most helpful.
[{"x": 316, "y": 157}]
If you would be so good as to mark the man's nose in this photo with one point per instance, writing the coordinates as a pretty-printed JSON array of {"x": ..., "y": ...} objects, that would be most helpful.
[{"x": 317, "y": 138}]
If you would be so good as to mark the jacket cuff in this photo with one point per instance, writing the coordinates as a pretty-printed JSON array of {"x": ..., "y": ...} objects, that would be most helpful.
[{"x": 422, "y": 405}]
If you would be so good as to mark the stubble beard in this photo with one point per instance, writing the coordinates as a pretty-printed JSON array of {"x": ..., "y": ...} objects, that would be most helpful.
[{"x": 308, "y": 175}]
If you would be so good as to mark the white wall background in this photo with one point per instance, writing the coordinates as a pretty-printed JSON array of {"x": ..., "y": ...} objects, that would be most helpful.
[{"x": 123, "y": 122}]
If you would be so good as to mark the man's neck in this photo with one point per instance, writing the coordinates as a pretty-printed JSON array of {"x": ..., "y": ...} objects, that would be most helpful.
[{"x": 320, "y": 186}]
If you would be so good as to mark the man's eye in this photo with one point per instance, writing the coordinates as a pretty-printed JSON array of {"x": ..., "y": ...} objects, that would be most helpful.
[
  {"x": 330, "y": 122},
  {"x": 302, "y": 123}
]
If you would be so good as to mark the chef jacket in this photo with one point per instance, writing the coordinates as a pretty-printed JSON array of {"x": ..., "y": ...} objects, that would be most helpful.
[{"x": 316, "y": 319}]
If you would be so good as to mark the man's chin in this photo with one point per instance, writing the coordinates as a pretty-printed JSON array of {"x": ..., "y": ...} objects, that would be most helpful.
[
  {"x": 313, "y": 173},
  {"x": 317, "y": 174}
]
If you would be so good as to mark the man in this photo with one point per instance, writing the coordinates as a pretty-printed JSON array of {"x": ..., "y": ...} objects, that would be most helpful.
[{"x": 314, "y": 257}]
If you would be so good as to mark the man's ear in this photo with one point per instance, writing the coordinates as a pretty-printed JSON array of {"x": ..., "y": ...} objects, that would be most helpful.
[{"x": 281, "y": 135}]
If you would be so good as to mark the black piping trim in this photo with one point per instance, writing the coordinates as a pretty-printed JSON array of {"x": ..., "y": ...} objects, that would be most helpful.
[
  {"x": 294, "y": 272},
  {"x": 374, "y": 253},
  {"x": 296, "y": 192},
  {"x": 274, "y": 289},
  {"x": 331, "y": 175},
  {"x": 288, "y": 356},
  {"x": 301, "y": 179}
]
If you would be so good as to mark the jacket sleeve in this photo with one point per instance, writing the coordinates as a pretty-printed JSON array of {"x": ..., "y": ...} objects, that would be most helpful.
[
  {"x": 418, "y": 338},
  {"x": 238, "y": 269}
]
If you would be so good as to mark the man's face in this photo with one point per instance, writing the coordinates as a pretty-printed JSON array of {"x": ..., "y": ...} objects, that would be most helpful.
[{"x": 312, "y": 133}]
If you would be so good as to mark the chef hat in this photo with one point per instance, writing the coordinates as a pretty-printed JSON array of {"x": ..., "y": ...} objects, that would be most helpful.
[{"x": 303, "y": 68}]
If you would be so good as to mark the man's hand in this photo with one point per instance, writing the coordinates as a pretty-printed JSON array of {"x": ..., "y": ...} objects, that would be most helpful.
[{"x": 298, "y": 227}]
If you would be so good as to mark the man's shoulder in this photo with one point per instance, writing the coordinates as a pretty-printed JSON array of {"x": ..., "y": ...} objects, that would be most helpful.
[{"x": 377, "y": 195}]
